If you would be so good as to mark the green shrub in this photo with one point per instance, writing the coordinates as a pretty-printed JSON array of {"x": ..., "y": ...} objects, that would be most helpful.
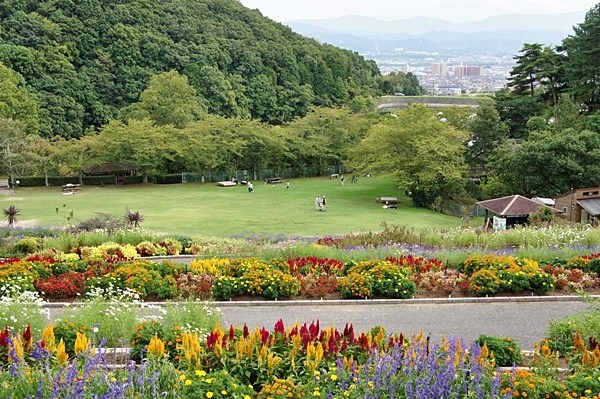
[
  {"x": 279, "y": 285},
  {"x": 561, "y": 333},
  {"x": 67, "y": 331},
  {"x": 593, "y": 266},
  {"x": 167, "y": 288},
  {"x": 395, "y": 288},
  {"x": 541, "y": 282},
  {"x": 28, "y": 245},
  {"x": 356, "y": 285},
  {"x": 142, "y": 335},
  {"x": 172, "y": 246},
  {"x": 507, "y": 351},
  {"x": 225, "y": 287},
  {"x": 484, "y": 282}
]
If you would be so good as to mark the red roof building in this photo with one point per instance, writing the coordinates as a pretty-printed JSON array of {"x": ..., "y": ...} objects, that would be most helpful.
[{"x": 515, "y": 209}]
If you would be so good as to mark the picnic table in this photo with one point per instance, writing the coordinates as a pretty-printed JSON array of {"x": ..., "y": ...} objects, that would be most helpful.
[
  {"x": 274, "y": 180},
  {"x": 70, "y": 188},
  {"x": 387, "y": 200},
  {"x": 227, "y": 183}
]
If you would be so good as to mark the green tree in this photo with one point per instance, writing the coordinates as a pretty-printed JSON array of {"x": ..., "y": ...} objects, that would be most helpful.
[
  {"x": 139, "y": 142},
  {"x": 515, "y": 110},
  {"x": 16, "y": 102},
  {"x": 581, "y": 66},
  {"x": 456, "y": 116},
  {"x": 168, "y": 100},
  {"x": 13, "y": 140},
  {"x": 486, "y": 132},
  {"x": 207, "y": 144},
  {"x": 420, "y": 151},
  {"x": 525, "y": 75},
  {"x": 42, "y": 155},
  {"x": 550, "y": 163},
  {"x": 326, "y": 136}
]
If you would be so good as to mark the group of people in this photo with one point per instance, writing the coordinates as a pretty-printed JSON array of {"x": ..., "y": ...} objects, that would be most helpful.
[{"x": 320, "y": 203}]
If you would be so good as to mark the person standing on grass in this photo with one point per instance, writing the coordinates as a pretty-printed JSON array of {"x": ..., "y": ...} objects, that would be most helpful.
[
  {"x": 323, "y": 201},
  {"x": 287, "y": 185},
  {"x": 318, "y": 203},
  {"x": 342, "y": 180}
]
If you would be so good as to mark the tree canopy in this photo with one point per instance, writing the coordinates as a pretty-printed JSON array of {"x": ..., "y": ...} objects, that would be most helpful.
[{"x": 86, "y": 60}]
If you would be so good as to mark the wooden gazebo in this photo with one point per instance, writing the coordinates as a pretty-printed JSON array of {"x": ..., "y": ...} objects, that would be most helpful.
[{"x": 120, "y": 170}]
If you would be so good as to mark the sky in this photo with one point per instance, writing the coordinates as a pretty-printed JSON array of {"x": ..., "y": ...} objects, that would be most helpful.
[{"x": 389, "y": 10}]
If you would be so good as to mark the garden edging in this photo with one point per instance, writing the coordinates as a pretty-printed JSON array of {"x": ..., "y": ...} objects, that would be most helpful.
[{"x": 337, "y": 302}]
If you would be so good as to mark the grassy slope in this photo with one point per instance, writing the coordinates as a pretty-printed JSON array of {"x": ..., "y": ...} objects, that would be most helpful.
[{"x": 209, "y": 210}]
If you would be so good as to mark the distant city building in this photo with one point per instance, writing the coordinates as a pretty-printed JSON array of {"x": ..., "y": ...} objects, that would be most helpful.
[
  {"x": 439, "y": 69},
  {"x": 464, "y": 70}
]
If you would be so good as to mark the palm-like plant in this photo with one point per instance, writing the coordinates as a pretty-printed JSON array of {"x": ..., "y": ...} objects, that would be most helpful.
[
  {"x": 11, "y": 214},
  {"x": 133, "y": 219}
]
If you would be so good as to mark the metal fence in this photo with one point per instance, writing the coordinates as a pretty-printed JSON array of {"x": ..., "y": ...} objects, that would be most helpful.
[{"x": 287, "y": 173}]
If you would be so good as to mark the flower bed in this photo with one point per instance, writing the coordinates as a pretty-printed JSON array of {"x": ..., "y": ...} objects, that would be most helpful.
[
  {"x": 287, "y": 362},
  {"x": 63, "y": 278}
]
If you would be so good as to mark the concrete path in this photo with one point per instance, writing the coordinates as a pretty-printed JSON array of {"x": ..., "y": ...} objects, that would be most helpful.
[
  {"x": 523, "y": 321},
  {"x": 523, "y": 318}
]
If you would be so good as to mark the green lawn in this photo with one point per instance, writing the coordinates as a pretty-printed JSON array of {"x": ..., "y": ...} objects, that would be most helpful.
[{"x": 213, "y": 211}]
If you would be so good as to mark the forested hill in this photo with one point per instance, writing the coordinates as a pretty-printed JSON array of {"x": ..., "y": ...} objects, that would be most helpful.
[{"x": 86, "y": 59}]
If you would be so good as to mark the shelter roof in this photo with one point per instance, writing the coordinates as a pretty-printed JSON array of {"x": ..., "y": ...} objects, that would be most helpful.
[
  {"x": 514, "y": 205},
  {"x": 592, "y": 205}
]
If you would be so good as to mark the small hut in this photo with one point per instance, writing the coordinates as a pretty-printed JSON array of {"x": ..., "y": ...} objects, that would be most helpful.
[
  {"x": 515, "y": 209},
  {"x": 120, "y": 170}
]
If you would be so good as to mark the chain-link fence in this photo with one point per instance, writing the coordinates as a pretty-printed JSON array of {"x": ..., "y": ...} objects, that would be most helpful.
[{"x": 261, "y": 174}]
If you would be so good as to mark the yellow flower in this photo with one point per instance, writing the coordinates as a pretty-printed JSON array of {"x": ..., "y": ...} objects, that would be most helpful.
[
  {"x": 247, "y": 397},
  {"x": 182, "y": 377},
  {"x": 223, "y": 392},
  {"x": 209, "y": 395},
  {"x": 188, "y": 382},
  {"x": 334, "y": 377},
  {"x": 200, "y": 373}
]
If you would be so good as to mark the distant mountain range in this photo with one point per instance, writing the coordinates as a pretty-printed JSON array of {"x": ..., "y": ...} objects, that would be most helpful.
[{"x": 502, "y": 34}]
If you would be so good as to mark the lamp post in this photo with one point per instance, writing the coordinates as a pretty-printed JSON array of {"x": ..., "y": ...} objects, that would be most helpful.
[{"x": 571, "y": 211}]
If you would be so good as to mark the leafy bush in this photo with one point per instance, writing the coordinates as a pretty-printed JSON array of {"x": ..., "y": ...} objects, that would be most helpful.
[
  {"x": 225, "y": 287},
  {"x": 317, "y": 286},
  {"x": 194, "y": 286},
  {"x": 172, "y": 246},
  {"x": 28, "y": 245},
  {"x": 356, "y": 285},
  {"x": 484, "y": 282},
  {"x": 101, "y": 221},
  {"x": 65, "y": 285},
  {"x": 561, "y": 333},
  {"x": 143, "y": 334},
  {"x": 67, "y": 331},
  {"x": 506, "y": 351}
]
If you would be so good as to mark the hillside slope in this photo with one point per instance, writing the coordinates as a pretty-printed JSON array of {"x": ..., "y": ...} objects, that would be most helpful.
[{"x": 86, "y": 59}]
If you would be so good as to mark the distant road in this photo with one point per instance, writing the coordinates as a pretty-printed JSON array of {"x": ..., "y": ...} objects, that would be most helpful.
[{"x": 395, "y": 102}]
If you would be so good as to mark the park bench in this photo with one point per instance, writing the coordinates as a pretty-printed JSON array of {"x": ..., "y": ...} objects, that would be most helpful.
[
  {"x": 334, "y": 176},
  {"x": 275, "y": 180},
  {"x": 4, "y": 183}
]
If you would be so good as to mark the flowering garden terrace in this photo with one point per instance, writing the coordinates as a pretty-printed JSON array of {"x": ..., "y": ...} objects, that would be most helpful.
[{"x": 183, "y": 350}]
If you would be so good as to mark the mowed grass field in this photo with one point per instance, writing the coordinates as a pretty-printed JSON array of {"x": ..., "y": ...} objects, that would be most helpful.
[{"x": 212, "y": 211}]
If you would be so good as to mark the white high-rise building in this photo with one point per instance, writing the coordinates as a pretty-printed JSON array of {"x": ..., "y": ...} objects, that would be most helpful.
[{"x": 439, "y": 69}]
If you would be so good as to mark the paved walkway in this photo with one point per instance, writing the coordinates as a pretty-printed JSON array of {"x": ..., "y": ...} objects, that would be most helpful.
[{"x": 523, "y": 318}]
